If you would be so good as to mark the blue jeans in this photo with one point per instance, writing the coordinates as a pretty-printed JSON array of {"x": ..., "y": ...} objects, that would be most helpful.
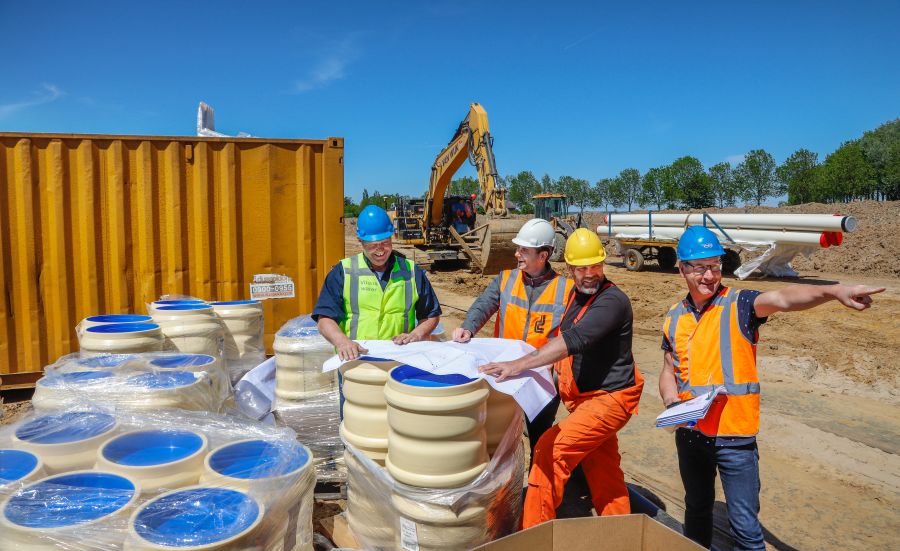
[{"x": 698, "y": 459}]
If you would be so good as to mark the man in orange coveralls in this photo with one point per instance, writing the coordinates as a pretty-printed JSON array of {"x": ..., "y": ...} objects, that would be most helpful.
[{"x": 598, "y": 382}]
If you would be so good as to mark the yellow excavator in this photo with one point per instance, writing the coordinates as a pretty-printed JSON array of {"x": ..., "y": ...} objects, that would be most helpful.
[{"x": 446, "y": 227}]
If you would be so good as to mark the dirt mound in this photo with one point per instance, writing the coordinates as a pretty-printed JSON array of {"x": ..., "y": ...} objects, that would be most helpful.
[{"x": 872, "y": 250}]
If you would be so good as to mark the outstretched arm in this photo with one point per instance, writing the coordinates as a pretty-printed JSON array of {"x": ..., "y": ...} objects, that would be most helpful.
[
  {"x": 480, "y": 312},
  {"x": 346, "y": 348},
  {"x": 804, "y": 297},
  {"x": 554, "y": 350}
]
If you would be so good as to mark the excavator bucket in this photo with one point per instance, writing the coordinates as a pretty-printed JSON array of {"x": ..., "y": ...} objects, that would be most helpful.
[{"x": 497, "y": 248}]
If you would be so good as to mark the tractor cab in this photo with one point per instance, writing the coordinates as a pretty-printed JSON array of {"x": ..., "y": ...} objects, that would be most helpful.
[{"x": 550, "y": 206}]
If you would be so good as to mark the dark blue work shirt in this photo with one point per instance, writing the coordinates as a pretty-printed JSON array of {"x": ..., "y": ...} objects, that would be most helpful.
[
  {"x": 749, "y": 324},
  {"x": 331, "y": 299}
]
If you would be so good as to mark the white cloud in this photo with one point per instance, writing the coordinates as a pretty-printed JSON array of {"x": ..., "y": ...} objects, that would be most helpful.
[
  {"x": 580, "y": 40},
  {"x": 332, "y": 67},
  {"x": 46, "y": 94},
  {"x": 735, "y": 159}
]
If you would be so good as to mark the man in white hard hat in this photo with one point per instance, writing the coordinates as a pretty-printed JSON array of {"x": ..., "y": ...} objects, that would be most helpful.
[{"x": 529, "y": 302}]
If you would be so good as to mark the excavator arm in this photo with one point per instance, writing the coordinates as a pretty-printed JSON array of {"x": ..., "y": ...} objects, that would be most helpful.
[{"x": 472, "y": 141}]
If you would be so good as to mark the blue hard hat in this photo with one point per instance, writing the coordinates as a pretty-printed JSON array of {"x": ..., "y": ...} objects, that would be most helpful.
[
  {"x": 374, "y": 224},
  {"x": 698, "y": 242}
]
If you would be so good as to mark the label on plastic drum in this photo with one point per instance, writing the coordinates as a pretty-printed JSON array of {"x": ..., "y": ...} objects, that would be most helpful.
[
  {"x": 266, "y": 286},
  {"x": 409, "y": 539}
]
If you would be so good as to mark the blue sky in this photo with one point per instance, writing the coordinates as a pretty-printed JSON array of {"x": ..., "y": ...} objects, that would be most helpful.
[{"x": 571, "y": 88}]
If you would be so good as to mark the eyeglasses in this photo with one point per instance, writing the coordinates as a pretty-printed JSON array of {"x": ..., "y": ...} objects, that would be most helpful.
[{"x": 700, "y": 269}]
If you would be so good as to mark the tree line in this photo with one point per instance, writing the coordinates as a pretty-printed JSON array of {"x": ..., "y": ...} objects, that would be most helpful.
[{"x": 865, "y": 168}]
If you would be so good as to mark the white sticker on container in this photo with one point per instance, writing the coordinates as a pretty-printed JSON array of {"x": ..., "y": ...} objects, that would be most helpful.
[
  {"x": 409, "y": 540},
  {"x": 266, "y": 286}
]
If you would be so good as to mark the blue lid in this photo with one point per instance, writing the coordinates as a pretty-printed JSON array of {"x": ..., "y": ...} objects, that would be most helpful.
[
  {"x": 122, "y": 328},
  {"x": 182, "y": 360},
  {"x": 120, "y": 318},
  {"x": 163, "y": 379},
  {"x": 152, "y": 447},
  {"x": 15, "y": 465},
  {"x": 74, "y": 378},
  {"x": 106, "y": 360},
  {"x": 196, "y": 516},
  {"x": 253, "y": 459},
  {"x": 179, "y": 301},
  {"x": 413, "y": 376},
  {"x": 65, "y": 427},
  {"x": 178, "y": 307},
  {"x": 233, "y": 302},
  {"x": 69, "y": 499}
]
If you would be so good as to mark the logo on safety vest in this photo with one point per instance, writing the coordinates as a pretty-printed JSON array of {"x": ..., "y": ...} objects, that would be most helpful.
[{"x": 539, "y": 324}]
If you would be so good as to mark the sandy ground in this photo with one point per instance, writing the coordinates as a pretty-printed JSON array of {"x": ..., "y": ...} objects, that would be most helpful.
[{"x": 830, "y": 434}]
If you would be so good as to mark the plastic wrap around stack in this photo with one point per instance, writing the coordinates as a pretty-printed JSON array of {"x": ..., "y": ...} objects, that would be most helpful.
[
  {"x": 244, "y": 347},
  {"x": 385, "y": 514},
  {"x": 121, "y": 338},
  {"x": 156, "y": 480},
  {"x": 307, "y": 400},
  {"x": 191, "y": 328},
  {"x": 135, "y": 381},
  {"x": 364, "y": 411}
]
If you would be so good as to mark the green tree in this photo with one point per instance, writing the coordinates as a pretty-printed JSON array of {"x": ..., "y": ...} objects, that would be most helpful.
[
  {"x": 602, "y": 193},
  {"x": 756, "y": 177},
  {"x": 547, "y": 184},
  {"x": 724, "y": 187},
  {"x": 847, "y": 175},
  {"x": 882, "y": 149},
  {"x": 652, "y": 188},
  {"x": 626, "y": 187},
  {"x": 522, "y": 187},
  {"x": 466, "y": 185},
  {"x": 686, "y": 184},
  {"x": 798, "y": 175},
  {"x": 351, "y": 209},
  {"x": 577, "y": 190}
]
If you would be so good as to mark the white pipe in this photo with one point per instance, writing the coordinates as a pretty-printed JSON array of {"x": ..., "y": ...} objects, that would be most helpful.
[
  {"x": 792, "y": 222},
  {"x": 816, "y": 239}
]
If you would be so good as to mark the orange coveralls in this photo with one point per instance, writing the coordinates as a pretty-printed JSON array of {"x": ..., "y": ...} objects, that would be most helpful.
[{"x": 587, "y": 436}]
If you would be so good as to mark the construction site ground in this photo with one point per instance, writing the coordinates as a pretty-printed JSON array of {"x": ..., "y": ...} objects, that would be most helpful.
[{"x": 829, "y": 441}]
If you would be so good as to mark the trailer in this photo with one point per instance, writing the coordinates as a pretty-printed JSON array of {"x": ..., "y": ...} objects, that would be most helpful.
[{"x": 635, "y": 251}]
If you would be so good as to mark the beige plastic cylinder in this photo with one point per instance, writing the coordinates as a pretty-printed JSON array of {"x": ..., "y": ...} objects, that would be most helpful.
[
  {"x": 250, "y": 539},
  {"x": 157, "y": 304},
  {"x": 38, "y": 472},
  {"x": 103, "y": 532},
  {"x": 194, "y": 331},
  {"x": 66, "y": 456},
  {"x": 194, "y": 396},
  {"x": 298, "y": 368},
  {"x": 368, "y": 517},
  {"x": 502, "y": 410},
  {"x": 93, "y": 321},
  {"x": 439, "y": 528},
  {"x": 365, "y": 422},
  {"x": 149, "y": 339},
  {"x": 243, "y": 324},
  {"x": 437, "y": 437},
  {"x": 163, "y": 476},
  {"x": 266, "y": 488}
]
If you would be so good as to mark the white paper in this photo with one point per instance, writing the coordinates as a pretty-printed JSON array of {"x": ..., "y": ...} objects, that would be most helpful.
[
  {"x": 409, "y": 538},
  {"x": 689, "y": 410},
  {"x": 533, "y": 389}
]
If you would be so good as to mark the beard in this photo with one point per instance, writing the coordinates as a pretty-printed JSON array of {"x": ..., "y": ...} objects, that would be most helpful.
[{"x": 589, "y": 289}]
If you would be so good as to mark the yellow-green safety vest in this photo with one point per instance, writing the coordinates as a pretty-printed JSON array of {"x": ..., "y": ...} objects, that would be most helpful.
[{"x": 373, "y": 313}]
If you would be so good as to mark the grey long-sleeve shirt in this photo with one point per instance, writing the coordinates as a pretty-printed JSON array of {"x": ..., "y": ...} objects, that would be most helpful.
[{"x": 488, "y": 303}]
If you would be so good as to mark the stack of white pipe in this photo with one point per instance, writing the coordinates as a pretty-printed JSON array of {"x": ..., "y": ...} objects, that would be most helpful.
[{"x": 811, "y": 230}]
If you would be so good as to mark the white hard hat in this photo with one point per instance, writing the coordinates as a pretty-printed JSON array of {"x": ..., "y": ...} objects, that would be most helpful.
[{"x": 535, "y": 233}]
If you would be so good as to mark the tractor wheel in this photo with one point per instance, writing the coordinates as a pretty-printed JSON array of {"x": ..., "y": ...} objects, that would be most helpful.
[
  {"x": 634, "y": 260},
  {"x": 666, "y": 258},
  {"x": 559, "y": 247},
  {"x": 730, "y": 262}
]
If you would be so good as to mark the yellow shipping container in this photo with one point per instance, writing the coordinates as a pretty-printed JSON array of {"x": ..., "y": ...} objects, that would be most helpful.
[{"x": 97, "y": 224}]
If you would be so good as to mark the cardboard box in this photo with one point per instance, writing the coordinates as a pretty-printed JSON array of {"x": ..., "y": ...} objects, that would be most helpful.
[{"x": 615, "y": 533}]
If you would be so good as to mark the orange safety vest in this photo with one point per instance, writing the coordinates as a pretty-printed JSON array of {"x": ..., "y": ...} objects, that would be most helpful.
[
  {"x": 711, "y": 352},
  {"x": 537, "y": 323},
  {"x": 628, "y": 397}
]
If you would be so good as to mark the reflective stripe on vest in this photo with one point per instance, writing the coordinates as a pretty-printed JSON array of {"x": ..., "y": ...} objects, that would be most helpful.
[
  {"x": 534, "y": 324},
  {"x": 373, "y": 313},
  {"x": 712, "y": 352}
]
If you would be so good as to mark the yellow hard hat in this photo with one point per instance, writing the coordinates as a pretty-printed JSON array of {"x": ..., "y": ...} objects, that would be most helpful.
[{"x": 583, "y": 248}]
